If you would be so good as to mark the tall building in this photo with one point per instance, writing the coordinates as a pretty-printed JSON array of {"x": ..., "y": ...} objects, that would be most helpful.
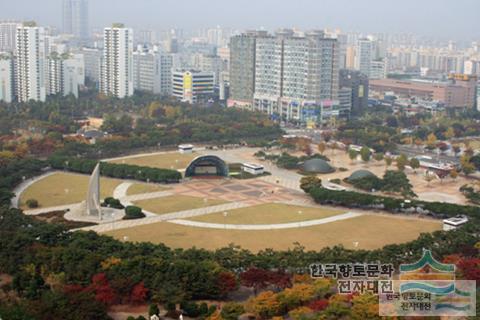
[
  {"x": 152, "y": 72},
  {"x": 93, "y": 62},
  {"x": 292, "y": 72},
  {"x": 6, "y": 79},
  {"x": 65, "y": 73},
  {"x": 364, "y": 56},
  {"x": 242, "y": 66},
  {"x": 8, "y": 32},
  {"x": 117, "y": 68},
  {"x": 193, "y": 86},
  {"x": 30, "y": 63},
  {"x": 75, "y": 18},
  {"x": 358, "y": 83}
]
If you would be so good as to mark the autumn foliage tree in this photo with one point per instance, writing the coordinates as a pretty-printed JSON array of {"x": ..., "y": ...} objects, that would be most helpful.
[
  {"x": 102, "y": 290},
  {"x": 227, "y": 282}
]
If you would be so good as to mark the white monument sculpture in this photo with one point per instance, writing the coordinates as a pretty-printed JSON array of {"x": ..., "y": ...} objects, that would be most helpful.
[{"x": 93, "y": 195}]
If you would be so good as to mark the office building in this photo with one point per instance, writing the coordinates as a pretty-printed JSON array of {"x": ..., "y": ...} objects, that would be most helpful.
[
  {"x": 30, "y": 63},
  {"x": 458, "y": 92},
  {"x": 8, "y": 32},
  {"x": 117, "y": 65},
  {"x": 75, "y": 18},
  {"x": 6, "y": 79},
  {"x": 193, "y": 86},
  {"x": 358, "y": 83}
]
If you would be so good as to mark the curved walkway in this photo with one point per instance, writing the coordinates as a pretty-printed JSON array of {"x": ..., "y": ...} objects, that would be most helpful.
[
  {"x": 121, "y": 190},
  {"x": 24, "y": 185},
  {"x": 292, "y": 225}
]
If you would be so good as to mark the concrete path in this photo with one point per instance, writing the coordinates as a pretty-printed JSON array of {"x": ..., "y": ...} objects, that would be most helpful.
[
  {"x": 34, "y": 212},
  {"x": 24, "y": 185},
  {"x": 121, "y": 190},
  {"x": 292, "y": 225},
  {"x": 166, "y": 217}
]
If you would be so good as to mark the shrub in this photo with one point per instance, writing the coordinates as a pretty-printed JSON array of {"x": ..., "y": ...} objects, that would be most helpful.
[
  {"x": 133, "y": 212},
  {"x": 112, "y": 203},
  {"x": 232, "y": 310},
  {"x": 32, "y": 203},
  {"x": 190, "y": 309}
]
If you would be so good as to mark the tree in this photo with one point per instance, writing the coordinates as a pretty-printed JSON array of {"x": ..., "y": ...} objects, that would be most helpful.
[
  {"x": 139, "y": 294},
  {"x": 232, "y": 310},
  {"x": 227, "y": 283},
  {"x": 32, "y": 203},
  {"x": 153, "y": 310},
  {"x": 467, "y": 166},
  {"x": 378, "y": 156},
  {"x": 321, "y": 147},
  {"x": 365, "y": 306},
  {"x": 352, "y": 154},
  {"x": 431, "y": 140},
  {"x": 265, "y": 305},
  {"x": 388, "y": 161},
  {"x": 255, "y": 278},
  {"x": 454, "y": 174},
  {"x": 415, "y": 164},
  {"x": 365, "y": 154},
  {"x": 429, "y": 177},
  {"x": 402, "y": 162},
  {"x": 450, "y": 133},
  {"x": 309, "y": 182}
]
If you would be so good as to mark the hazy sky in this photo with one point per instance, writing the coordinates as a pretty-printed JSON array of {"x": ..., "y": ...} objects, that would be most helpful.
[{"x": 455, "y": 19}]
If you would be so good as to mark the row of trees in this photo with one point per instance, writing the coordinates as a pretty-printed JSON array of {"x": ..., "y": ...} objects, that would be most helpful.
[{"x": 116, "y": 170}]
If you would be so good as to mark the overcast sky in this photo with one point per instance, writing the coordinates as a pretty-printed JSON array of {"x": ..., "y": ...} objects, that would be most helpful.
[{"x": 448, "y": 19}]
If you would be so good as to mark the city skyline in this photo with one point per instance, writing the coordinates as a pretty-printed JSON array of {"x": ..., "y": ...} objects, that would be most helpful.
[{"x": 368, "y": 16}]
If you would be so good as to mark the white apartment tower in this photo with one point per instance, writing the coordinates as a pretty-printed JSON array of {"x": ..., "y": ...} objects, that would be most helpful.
[
  {"x": 6, "y": 79},
  {"x": 152, "y": 72},
  {"x": 8, "y": 32},
  {"x": 117, "y": 69},
  {"x": 30, "y": 63}
]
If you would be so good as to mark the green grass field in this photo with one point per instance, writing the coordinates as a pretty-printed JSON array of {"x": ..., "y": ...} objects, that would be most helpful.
[
  {"x": 140, "y": 188},
  {"x": 268, "y": 214},
  {"x": 64, "y": 188},
  {"x": 371, "y": 232},
  {"x": 173, "y": 160},
  {"x": 176, "y": 203}
]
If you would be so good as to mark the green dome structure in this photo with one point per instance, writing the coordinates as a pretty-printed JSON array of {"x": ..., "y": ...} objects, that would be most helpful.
[
  {"x": 317, "y": 166},
  {"x": 360, "y": 174}
]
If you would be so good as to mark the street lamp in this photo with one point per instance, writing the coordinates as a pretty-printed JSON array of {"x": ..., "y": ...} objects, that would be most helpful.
[{"x": 225, "y": 214}]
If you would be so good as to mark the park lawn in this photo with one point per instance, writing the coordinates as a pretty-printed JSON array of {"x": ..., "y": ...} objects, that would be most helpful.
[
  {"x": 269, "y": 213},
  {"x": 176, "y": 203},
  {"x": 141, "y": 188},
  {"x": 171, "y": 160},
  {"x": 371, "y": 232},
  {"x": 64, "y": 188}
]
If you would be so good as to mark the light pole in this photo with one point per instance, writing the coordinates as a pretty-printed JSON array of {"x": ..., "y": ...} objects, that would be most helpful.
[{"x": 225, "y": 214}]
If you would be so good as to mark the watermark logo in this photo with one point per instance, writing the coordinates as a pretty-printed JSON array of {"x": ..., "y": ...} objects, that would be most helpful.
[{"x": 429, "y": 288}]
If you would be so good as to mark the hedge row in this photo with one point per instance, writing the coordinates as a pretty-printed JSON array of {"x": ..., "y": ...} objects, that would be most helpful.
[
  {"x": 115, "y": 170},
  {"x": 351, "y": 199}
]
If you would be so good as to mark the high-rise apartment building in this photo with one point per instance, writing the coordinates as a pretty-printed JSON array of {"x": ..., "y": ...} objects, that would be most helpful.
[
  {"x": 152, "y": 72},
  {"x": 75, "y": 18},
  {"x": 6, "y": 79},
  {"x": 93, "y": 62},
  {"x": 65, "y": 73},
  {"x": 242, "y": 66},
  {"x": 293, "y": 71},
  {"x": 30, "y": 63},
  {"x": 117, "y": 68},
  {"x": 8, "y": 32}
]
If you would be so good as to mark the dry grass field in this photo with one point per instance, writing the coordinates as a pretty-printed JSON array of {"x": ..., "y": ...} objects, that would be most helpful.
[
  {"x": 173, "y": 160},
  {"x": 271, "y": 213},
  {"x": 365, "y": 232},
  {"x": 176, "y": 203},
  {"x": 64, "y": 188}
]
